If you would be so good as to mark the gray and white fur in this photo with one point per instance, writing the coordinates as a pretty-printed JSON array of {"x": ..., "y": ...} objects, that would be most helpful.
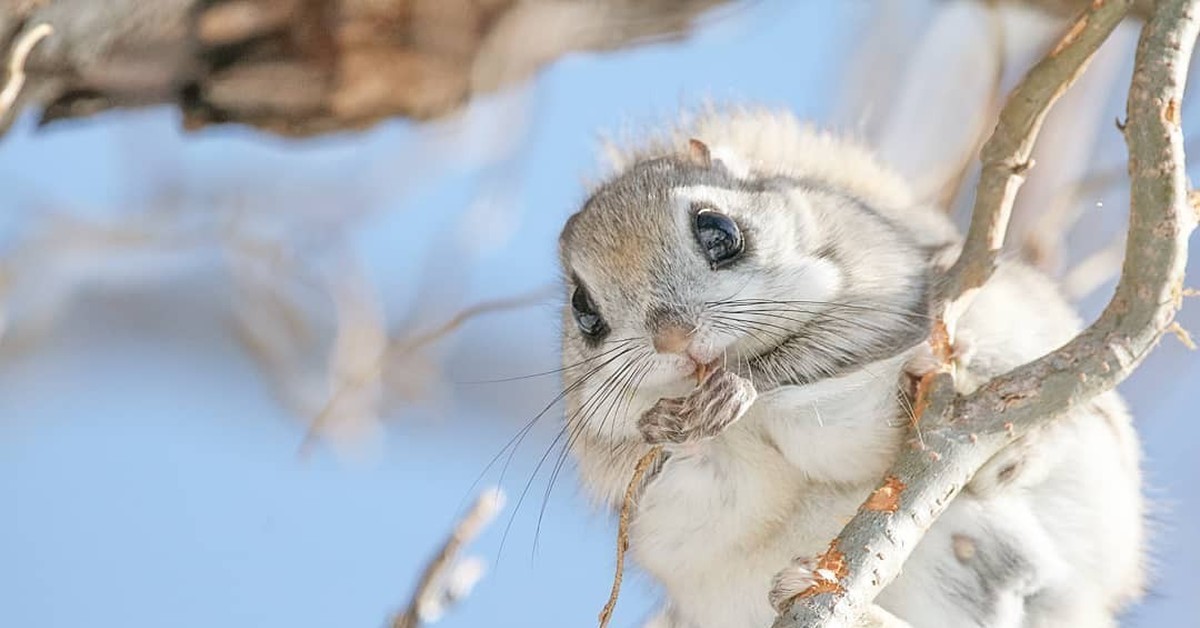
[{"x": 805, "y": 334}]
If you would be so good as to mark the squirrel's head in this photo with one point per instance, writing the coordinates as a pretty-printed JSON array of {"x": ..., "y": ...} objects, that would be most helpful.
[{"x": 686, "y": 259}]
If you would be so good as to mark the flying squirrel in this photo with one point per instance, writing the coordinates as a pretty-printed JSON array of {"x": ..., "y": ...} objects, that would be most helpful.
[{"x": 748, "y": 291}]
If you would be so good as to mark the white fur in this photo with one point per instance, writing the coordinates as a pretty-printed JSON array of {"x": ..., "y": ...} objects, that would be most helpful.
[
  {"x": 719, "y": 523},
  {"x": 721, "y": 519}
]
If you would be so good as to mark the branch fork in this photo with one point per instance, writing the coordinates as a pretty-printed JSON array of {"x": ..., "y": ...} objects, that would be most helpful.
[{"x": 959, "y": 433}]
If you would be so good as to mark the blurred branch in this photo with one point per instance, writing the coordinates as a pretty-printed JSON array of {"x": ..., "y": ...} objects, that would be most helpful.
[
  {"x": 447, "y": 580},
  {"x": 932, "y": 120},
  {"x": 349, "y": 386},
  {"x": 960, "y": 433},
  {"x": 1140, "y": 9},
  {"x": 1006, "y": 155},
  {"x": 498, "y": 305},
  {"x": 1092, "y": 271},
  {"x": 1102, "y": 180},
  {"x": 1045, "y": 216},
  {"x": 303, "y": 67},
  {"x": 959, "y": 171},
  {"x": 16, "y": 65},
  {"x": 1046, "y": 238}
]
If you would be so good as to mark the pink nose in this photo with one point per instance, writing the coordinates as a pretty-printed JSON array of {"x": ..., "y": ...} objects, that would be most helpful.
[{"x": 672, "y": 339}]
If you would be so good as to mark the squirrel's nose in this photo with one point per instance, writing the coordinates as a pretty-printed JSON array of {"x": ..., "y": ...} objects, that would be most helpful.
[{"x": 672, "y": 339}]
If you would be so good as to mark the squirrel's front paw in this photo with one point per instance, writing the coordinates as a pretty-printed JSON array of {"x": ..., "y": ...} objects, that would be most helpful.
[
  {"x": 924, "y": 359},
  {"x": 797, "y": 577},
  {"x": 720, "y": 400},
  {"x": 922, "y": 362}
]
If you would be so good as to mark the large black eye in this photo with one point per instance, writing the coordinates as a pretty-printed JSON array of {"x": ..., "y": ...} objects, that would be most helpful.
[
  {"x": 586, "y": 316},
  {"x": 719, "y": 237}
]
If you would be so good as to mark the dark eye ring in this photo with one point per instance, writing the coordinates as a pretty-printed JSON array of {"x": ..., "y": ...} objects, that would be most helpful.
[
  {"x": 719, "y": 237},
  {"x": 586, "y": 317}
]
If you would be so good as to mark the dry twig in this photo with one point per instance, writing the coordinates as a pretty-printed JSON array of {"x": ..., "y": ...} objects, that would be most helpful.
[
  {"x": 1182, "y": 334},
  {"x": 875, "y": 544},
  {"x": 639, "y": 471},
  {"x": 445, "y": 579}
]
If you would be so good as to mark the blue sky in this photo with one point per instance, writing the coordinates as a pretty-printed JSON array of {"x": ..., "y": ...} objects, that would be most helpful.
[{"x": 148, "y": 478}]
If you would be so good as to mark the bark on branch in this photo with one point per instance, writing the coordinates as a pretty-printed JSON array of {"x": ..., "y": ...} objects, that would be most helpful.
[{"x": 960, "y": 433}]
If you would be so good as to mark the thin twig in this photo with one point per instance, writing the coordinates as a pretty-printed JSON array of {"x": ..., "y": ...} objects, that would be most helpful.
[
  {"x": 435, "y": 586},
  {"x": 398, "y": 347},
  {"x": 1182, "y": 334},
  {"x": 962, "y": 433},
  {"x": 456, "y": 321},
  {"x": 639, "y": 471},
  {"x": 1006, "y": 159},
  {"x": 16, "y": 65}
]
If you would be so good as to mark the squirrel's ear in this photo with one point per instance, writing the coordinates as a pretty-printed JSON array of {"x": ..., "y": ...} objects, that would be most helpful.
[
  {"x": 731, "y": 162},
  {"x": 699, "y": 154}
]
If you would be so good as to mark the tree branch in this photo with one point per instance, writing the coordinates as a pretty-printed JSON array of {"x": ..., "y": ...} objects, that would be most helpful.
[
  {"x": 303, "y": 67},
  {"x": 16, "y": 65},
  {"x": 1006, "y": 155},
  {"x": 439, "y": 586},
  {"x": 961, "y": 433}
]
